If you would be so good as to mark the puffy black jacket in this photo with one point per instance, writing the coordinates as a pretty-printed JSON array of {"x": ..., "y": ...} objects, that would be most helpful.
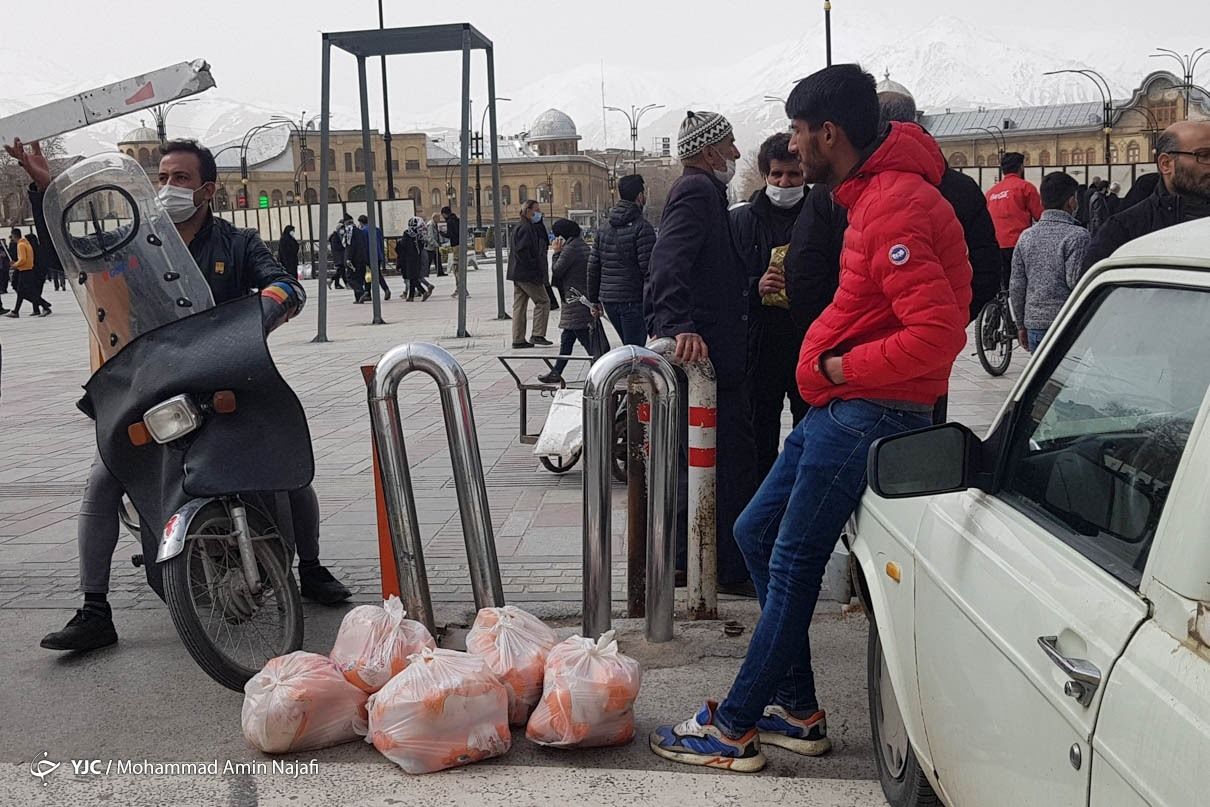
[
  {"x": 617, "y": 267},
  {"x": 813, "y": 262},
  {"x": 570, "y": 270},
  {"x": 1159, "y": 210}
]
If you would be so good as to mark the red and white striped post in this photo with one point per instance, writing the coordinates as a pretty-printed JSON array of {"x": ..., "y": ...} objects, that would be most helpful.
[{"x": 702, "y": 571}]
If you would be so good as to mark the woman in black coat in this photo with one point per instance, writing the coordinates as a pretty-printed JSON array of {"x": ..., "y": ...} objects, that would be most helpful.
[
  {"x": 412, "y": 260},
  {"x": 570, "y": 271},
  {"x": 287, "y": 251}
]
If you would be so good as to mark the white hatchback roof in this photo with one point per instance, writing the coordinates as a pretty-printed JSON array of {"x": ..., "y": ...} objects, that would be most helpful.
[{"x": 1188, "y": 244}]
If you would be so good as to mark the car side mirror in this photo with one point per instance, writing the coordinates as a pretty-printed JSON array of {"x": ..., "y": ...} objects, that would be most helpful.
[{"x": 937, "y": 459}]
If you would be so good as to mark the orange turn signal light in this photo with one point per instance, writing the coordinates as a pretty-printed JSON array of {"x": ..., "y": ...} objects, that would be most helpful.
[
  {"x": 223, "y": 402},
  {"x": 138, "y": 434},
  {"x": 893, "y": 571}
]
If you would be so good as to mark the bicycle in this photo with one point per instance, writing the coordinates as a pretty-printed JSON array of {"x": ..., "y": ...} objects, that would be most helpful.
[{"x": 995, "y": 334}]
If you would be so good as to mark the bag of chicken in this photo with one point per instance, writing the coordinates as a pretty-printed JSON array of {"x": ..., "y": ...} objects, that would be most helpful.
[
  {"x": 514, "y": 644},
  {"x": 446, "y": 709},
  {"x": 374, "y": 643},
  {"x": 301, "y": 701},
  {"x": 588, "y": 695}
]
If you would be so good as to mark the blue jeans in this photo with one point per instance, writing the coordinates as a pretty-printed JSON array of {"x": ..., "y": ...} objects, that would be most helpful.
[
  {"x": 1035, "y": 337},
  {"x": 627, "y": 319},
  {"x": 787, "y": 533}
]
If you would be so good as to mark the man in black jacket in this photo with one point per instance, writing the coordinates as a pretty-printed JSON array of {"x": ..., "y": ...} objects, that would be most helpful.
[
  {"x": 1182, "y": 157},
  {"x": 697, "y": 293},
  {"x": 813, "y": 263},
  {"x": 359, "y": 258},
  {"x": 453, "y": 231},
  {"x": 528, "y": 269},
  {"x": 234, "y": 262},
  {"x": 617, "y": 267},
  {"x": 764, "y": 222}
]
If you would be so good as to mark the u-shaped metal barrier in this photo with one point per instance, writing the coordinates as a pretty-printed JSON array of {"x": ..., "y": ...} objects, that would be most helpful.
[
  {"x": 383, "y": 388},
  {"x": 604, "y": 376}
]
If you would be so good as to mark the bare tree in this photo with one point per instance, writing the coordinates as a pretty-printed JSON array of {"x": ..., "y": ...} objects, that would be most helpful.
[
  {"x": 14, "y": 201},
  {"x": 749, "y": 180}
]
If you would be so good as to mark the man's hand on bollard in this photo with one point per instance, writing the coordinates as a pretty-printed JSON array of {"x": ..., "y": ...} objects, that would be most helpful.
[
  {"x": 32, "y": 161},
  {"x": 691, "y": 348},
  {"x": 771, "y": 282}
]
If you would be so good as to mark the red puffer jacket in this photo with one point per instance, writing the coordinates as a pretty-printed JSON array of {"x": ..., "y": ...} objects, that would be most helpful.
[{"x": 899, "y": 315}]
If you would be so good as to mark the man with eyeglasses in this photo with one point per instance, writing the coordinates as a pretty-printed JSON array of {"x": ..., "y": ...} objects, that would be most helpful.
[{"x": 1182, "y": 157}]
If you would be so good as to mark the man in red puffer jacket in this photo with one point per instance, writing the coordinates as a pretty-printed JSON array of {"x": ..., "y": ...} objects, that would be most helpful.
[{"x": 873, "y": 364}]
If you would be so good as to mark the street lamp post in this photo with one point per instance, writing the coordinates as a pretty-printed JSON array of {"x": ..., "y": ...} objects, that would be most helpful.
[
  {"x": 550, "y": 194},
  {"x": 386, "y": 119},
  {"x": 999, "y": 140},
  {"x": 1151, "y": 120},
  {"x": 1188, "y": 63},
  {"x": 159, "y": 114},
  {"x": 633, "y": 117},
  {"x": 477, "y": 153},
  {"x": 827, "y": 29},
  {"x": 1106, "y": 101}
]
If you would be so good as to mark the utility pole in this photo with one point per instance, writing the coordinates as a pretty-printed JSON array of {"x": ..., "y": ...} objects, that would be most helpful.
[{"x": 827, "y": 29}]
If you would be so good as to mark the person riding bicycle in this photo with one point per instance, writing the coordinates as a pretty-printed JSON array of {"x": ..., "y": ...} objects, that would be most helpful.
[
  {"x": 234, "y": 262},
  {"x": 1015, "y": 205}
]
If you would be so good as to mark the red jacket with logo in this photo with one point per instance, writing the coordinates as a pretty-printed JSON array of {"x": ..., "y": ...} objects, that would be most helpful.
[
  {"x": 899, "y": 315},
  {"x": 1014, "y": 204}
]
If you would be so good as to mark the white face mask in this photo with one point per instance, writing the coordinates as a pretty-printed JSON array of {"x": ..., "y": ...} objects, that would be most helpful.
[
  {"x": 178, "y": 203},
  {"x": 784, "y": 197},
  {"x": 727, "y": 174}
]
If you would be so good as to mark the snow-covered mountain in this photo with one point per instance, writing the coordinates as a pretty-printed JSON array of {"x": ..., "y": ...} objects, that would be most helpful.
[{"x": 946, "y": 62}]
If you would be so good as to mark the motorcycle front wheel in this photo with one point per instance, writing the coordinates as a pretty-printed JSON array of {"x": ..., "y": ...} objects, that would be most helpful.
[{"x": 230, "y": 632}]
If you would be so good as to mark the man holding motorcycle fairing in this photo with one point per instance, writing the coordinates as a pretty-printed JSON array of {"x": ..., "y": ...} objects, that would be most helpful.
[{"x": 234, "y": 262}]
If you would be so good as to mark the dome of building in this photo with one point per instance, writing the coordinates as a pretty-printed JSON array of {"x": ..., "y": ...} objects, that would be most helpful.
[
  {"x": 143, "y": 134},
  {"x": 886, "y": 85},
  {"x": 552, "y": 125}
]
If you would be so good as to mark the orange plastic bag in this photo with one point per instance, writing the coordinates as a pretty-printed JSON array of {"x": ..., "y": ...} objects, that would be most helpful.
[
  {"x": 446, "y": 709},
  {"x": 301, "y": 701},
  {"x": 588, "y": 696},
  {"x": 514, "y": 643},
  {"x": 374, "y": 643}
]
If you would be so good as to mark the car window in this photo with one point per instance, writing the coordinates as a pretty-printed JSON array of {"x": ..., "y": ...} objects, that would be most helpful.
[{"x": 1102, "y": 431}]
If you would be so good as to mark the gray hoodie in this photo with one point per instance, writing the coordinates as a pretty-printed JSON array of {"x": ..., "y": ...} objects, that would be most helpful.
[{"x": 1046, "y": 267}]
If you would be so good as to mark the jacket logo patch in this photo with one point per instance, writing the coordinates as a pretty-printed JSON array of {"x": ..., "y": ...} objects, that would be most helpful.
[
  {"x": 219, "y": 267},
  {"x": 899, "y": 254}
]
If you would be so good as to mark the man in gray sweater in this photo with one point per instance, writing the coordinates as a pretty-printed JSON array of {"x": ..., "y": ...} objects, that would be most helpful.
[{"x": 1046, "y": 264}]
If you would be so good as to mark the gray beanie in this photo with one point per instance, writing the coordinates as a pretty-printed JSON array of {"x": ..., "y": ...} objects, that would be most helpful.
[{"x": 699, "y": 130}]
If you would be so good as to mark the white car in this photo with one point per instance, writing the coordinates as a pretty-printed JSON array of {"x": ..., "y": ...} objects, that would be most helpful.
[{"x": 1040, "y": 599}]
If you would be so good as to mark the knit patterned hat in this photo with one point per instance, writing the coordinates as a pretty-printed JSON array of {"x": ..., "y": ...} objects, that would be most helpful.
[{"x": 699, "y": 130}]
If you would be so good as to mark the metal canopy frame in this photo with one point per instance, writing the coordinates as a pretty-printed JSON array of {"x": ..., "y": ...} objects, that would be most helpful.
[{"x": 397, "y": 42}]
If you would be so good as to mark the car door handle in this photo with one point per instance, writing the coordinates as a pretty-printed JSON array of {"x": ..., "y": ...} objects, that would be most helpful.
[{"x": 1084, "y": 675}]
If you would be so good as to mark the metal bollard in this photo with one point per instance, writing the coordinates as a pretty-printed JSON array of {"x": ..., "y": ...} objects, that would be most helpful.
[
  {"x": 397, "y": 482},
  {"x": 606, "y": 373},
  {"x": 702, "y": 557}
]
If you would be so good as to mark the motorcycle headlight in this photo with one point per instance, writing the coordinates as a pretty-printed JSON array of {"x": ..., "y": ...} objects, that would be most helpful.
[{"x": 172, "y": 419}]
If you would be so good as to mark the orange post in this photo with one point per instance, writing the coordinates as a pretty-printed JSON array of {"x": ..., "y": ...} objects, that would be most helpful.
[{"x": 386, "y": 557}]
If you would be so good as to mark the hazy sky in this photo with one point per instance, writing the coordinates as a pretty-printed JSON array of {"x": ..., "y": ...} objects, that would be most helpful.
[{"x": 268, "y": 52}]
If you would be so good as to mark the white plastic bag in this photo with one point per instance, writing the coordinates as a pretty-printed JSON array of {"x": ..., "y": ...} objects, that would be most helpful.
[
  {"x": 563, "y": 433},
  {"x": 446, "y": 709},
  {"x": 514, "y": 643},
  {"x": 301, "y": 701},
  {"x": 588, "y": 695},
  {"x": 374, "y": 643}
]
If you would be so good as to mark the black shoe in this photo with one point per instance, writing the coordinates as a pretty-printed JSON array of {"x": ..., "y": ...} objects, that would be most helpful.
[
  {"x": 90, "y": 629},
  {"x": 541, "y": 340},
  {"x": 427, "y": 294},
  {"x": 12, "y": 314},
  {"x": 3, "y": 310},
  {"x": 386, "y": 295},
  {"x": 318, "y": 584},
  {"x": 742, "y": 589},
  {"x": 522, "y": 345},
  {"x": 550, "y": 378}
]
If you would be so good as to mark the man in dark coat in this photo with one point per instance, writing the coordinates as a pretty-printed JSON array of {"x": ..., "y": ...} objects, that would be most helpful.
[
  {"x": 287, "y": 250},
  {"x": 697, "y": 293},
  {"x": 453, "y": 231},
  {"x": 1182, "y": 194},
  {"x": 359, "y": 258},
  {"x": 764, "y": 222},
  {"x": 527, "y": 269},
  {"x": 617, "y": 267}
]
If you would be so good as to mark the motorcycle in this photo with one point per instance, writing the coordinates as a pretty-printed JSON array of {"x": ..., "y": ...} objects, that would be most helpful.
[{"x": 192, "y": 418}]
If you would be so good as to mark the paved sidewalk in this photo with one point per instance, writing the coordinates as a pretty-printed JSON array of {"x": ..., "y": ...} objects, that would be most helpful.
[{"x": 48, "y": 447}]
